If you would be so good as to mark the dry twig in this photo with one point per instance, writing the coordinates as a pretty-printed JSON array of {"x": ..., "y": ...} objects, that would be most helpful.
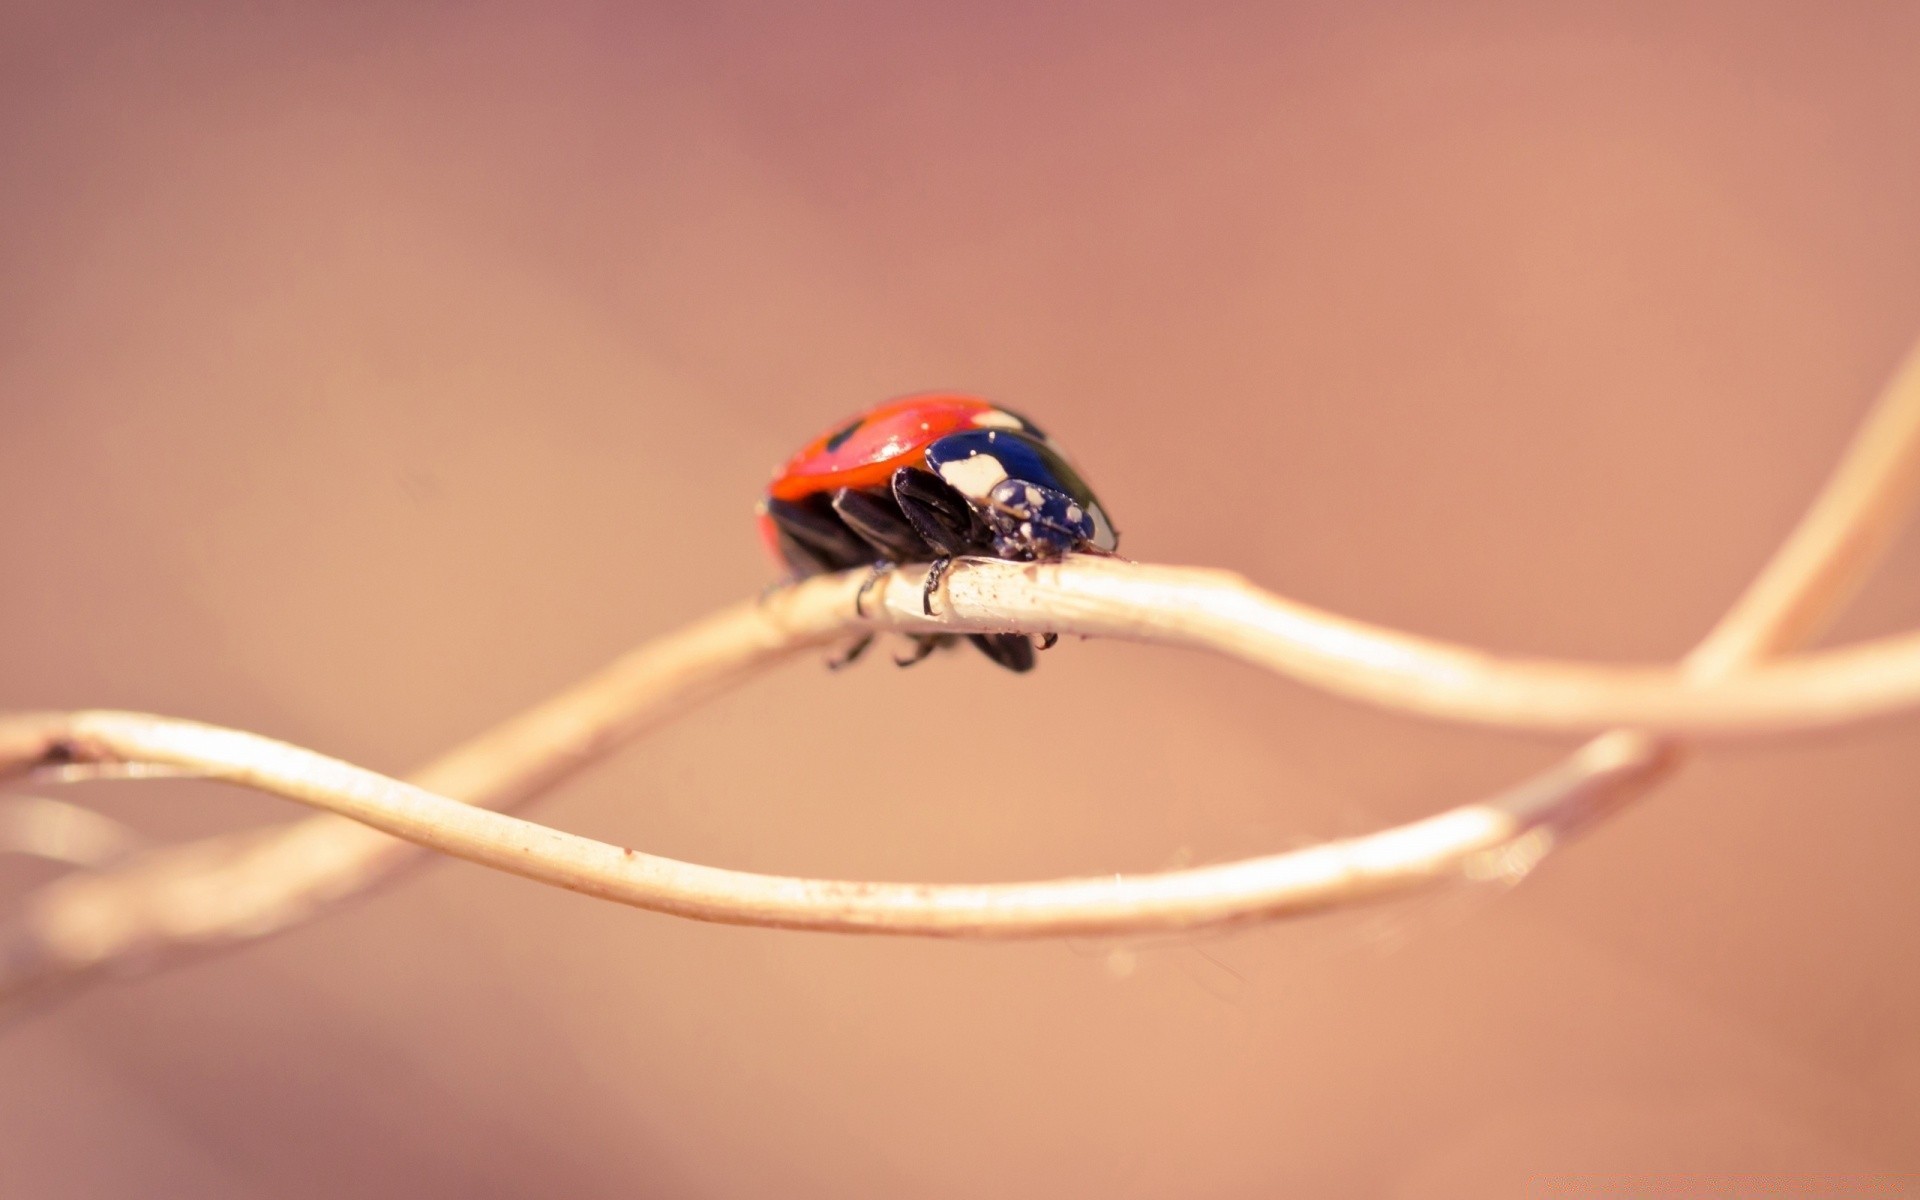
[{"x": 232, "y": 889}]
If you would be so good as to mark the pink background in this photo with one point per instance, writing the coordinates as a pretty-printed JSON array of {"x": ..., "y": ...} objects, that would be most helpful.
[{"x": 368, "y": 372}]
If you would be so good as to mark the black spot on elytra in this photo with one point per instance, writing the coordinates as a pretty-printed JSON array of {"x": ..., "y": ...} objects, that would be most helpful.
[{"x": 840, "y": 439}]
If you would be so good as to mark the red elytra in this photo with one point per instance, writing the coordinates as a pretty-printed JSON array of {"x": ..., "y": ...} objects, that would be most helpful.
[{"x": 866, "y": 451}]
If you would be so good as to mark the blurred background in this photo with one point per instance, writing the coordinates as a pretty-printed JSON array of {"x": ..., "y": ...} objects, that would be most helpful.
[{"x": 368, "y": 372}]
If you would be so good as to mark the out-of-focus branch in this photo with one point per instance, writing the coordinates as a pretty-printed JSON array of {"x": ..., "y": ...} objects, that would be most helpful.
[
  {"x": 62, "y": 832},
  {"x": 232, "y": 889},
  {"x": 1837, "y": 543},
  {"x": 1480, "y": 837}
]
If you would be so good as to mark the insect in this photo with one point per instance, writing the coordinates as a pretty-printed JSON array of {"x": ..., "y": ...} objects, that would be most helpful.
[{"x": 932, "y": 477}]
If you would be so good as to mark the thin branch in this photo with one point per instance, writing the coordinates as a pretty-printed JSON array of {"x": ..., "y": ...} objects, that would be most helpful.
[
  {"x": 1214, "y": 610},
  {"x": 62, "y": 832},
  {"x": 1340, "y": 872},
  {"x": 1836, "y": 545},
  {"x": 228, "y": 890}
]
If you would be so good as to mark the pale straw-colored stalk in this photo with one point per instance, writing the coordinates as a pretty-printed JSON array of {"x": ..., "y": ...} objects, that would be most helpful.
[{"x": 155, "y": 907}]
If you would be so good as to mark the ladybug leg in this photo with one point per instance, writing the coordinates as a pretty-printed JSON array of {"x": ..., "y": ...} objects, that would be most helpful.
[
  {"x": 801, "y": 561},
  {"x": 1011, "y": 650},
  {"x": 939, "y": 514},
  {"x": 852, "y": 654},
  {"x": 922, "y": 646},
  {"x": 813, "y": 538},
  {"x": 854, "y": 651},
  {"x": 943, "y": 519},
  {"x": 1047, "y": 640},
  {"x": 875, "y": 517},
  {"x": 860, "y": 597},
  {"x": 936, "y": 574}
]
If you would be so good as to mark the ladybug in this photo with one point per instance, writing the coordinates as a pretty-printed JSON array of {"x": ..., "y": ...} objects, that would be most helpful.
[{"x": 932, "y": 477}]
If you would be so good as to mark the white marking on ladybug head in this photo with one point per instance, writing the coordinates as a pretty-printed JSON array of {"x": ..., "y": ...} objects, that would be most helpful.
[
  {"x": 993, "y": 418},
  {"x": 1074, "y": 514},
  {"x": 1033, "y": 496},
  {"x": 974, "y": 475},
  {"x": 1103, "y": 536}
]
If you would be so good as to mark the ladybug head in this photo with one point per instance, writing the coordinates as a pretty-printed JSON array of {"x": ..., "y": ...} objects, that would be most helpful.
[
  {"x": 1035, "y": 521},
  {"x": 1032, "y": 502}
]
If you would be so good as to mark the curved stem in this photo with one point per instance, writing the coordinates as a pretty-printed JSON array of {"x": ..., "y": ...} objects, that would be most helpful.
[
  {"x": 233, "y": 889},
  {"x": 1315, "y": 877}
]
